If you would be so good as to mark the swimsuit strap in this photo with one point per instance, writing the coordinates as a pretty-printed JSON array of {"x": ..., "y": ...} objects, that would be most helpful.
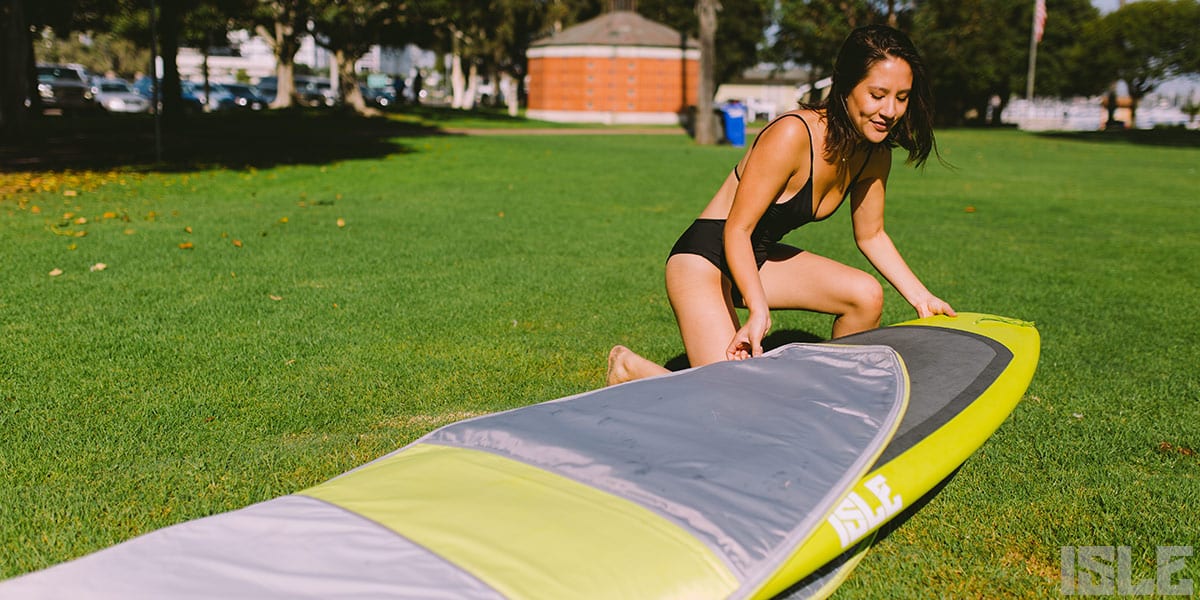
[{"x": 811, "y": 156}]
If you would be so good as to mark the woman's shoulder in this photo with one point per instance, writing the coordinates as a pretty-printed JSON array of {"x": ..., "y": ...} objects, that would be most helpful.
[
  {"x": 799, "y": 126},
  {"x": 804, "y": 118}
]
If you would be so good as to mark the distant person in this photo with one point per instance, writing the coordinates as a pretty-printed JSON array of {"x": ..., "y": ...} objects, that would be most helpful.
[
  {"x": 418, "y": 84},
  {"x": 800, "y": 169}
]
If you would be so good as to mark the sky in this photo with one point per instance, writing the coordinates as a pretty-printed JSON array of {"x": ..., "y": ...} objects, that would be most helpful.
[{"x": 1105, "y": 6}]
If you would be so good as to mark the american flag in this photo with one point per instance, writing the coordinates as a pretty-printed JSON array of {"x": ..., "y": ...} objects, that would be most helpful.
[{"x": 1039, "y": 19}]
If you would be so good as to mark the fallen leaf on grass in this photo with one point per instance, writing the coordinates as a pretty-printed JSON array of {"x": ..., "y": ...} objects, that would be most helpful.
[
  {"x": 70, "y": 193},
  {"x": 56, "y": 272},
  {"x": 187, "y": 229},
  {"x": 237, "y": 243},
  {"x": 110, "y": 215},
  {"x": 1168, "y": 448},
  {"x": 275, "y": 298},
  {"x": 81, "y": 221},
  {"x": 97, "y": 267},
  {"x": 283, "y": 220},
  {"x": 186, "y": 246},
  {"x": 341, "y": 222}
]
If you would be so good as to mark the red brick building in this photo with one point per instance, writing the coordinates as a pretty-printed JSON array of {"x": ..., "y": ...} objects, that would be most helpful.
[{"x": 617, "y": 68}]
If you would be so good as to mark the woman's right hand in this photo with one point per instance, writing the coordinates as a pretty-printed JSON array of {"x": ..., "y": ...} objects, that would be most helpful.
[{"x": 747, "y": 342}]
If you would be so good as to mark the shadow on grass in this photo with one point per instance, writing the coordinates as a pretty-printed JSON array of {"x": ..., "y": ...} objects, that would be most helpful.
[
  {"x": 1171, "y": 137},
  {"x": 773, "y": 340},
  {"x": 229, "y": 140}
]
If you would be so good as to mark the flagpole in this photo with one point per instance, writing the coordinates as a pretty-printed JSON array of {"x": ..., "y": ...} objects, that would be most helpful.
[
  {"x": 1039, "y": 11},
  {"x": 1032, "y": 56}
]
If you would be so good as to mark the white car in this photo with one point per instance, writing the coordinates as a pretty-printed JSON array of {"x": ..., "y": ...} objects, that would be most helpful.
[{"x": 117, "y": 96}]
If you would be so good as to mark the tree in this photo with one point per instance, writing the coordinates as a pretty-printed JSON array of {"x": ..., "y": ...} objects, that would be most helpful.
[
  {"x": 282, "y": 24},
  {"x": 725, "y": 50},
  {"x": 1061, "y": 70},
  {"x": 972, "y": 48},
  {"x": 706, "y": 10},
  {"x": 810, "y": 33},
  {"x": 1145, "y": 44},
  {"x": 458, "y": 30},
  {"x": 349, "y": 28},
  {"x": 16, "y": 56},
  {"x": 19, "y": 20}
]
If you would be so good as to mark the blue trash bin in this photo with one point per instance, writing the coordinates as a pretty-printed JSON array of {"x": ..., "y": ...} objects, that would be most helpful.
[{"x": 733, "y": 115}]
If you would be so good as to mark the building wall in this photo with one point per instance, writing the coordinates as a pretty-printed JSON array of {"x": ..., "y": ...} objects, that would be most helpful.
[{"x": 611, "y": 84}]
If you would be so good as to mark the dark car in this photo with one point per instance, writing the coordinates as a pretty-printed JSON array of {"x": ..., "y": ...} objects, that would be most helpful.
[
  {"x": 383, "y": 97},
  {"x": 268, "y": 87},
  {"x": 246, "y": 96},
  {"x": 309, "y": 91},
  {"x": 65, "y": 89},
  {"x": 145, "y": 86},
  {"x": 315, "y": 91}
]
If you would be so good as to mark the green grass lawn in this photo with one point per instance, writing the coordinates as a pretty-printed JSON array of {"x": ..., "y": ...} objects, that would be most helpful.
[{"x": 259, "y": 329}]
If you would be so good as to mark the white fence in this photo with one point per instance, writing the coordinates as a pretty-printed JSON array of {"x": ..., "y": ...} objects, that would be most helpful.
[{"x": 1087, "y": 114}]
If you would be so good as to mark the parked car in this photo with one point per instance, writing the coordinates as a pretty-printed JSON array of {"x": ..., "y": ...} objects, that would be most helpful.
[
  {"x": 316, "y": 91},
  {"x": 215, "y": 98},
  {"x": 117, "y": 96},
  {"x": 310, "y": 91},
  {"x": 246, "y": 96},
  {"x": 383, "y": 97},
  {"x": 64, "y": 88},
  {"x": 145, "y": 87},
  {"x": 268, "y": 87}
]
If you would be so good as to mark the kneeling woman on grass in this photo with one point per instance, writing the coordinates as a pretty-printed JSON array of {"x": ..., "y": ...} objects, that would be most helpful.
[{"x": 800, "y": 169}]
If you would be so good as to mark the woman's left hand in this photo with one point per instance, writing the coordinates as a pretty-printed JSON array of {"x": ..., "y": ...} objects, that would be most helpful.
[{"x": 933, "y": 305}]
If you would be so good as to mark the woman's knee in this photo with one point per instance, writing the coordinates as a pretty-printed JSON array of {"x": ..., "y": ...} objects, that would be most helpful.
[{"x": 865, "y": 295}]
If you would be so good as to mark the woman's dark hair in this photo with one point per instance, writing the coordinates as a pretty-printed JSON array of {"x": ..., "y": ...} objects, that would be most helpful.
[{"x": 863, "y": 48}]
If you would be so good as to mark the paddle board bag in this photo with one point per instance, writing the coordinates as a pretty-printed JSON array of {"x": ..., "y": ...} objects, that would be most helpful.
[{"x": 697, "y": 484}]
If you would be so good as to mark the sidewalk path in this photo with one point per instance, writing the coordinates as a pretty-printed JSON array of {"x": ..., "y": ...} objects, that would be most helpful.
[{"x": 567, "y": 131}]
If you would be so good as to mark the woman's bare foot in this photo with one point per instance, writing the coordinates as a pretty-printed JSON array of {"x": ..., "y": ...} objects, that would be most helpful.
[
  {"x": 626, "y": 365},
  {"x": 617, "y": 373}
]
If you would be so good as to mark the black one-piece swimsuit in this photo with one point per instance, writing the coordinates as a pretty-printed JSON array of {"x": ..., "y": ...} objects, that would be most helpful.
[{"x": 706, "y": 237}]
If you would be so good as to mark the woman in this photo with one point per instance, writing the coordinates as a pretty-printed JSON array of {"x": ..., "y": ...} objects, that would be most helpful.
[{"x": 800, "y": 169}]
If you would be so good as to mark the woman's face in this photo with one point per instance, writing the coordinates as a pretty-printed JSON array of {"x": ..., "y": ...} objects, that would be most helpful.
[{"x": 876, "y": 104}]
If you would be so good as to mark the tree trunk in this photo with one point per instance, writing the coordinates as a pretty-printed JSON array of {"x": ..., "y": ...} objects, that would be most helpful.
[
  {"x": 705, "y": 125},
  {"x": 285, "y": 82},
  {"x": 284, "y": 44},
  {"x": 168, "y": 30},
  {"x": 508, "y": 90},
  {"x": 347, "y": 81},
  {"x": 468, "y": 100},
  {"x": 458, "y": 81},
  {"x": 16, "y": 50}
]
